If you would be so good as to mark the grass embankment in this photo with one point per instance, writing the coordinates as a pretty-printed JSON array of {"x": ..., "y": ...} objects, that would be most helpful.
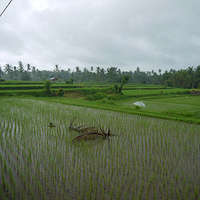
[
  {"x": 154, "y": 92},
  {"x": 18, "y": 88},
  {"x": 18, "y": 82},
  {"x": 165, "y": 108},
  {"x": 35, "y": 86},
  {"x": 168, "y": 103}
]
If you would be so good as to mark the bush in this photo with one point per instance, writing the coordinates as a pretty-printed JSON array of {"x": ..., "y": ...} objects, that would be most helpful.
[
  {"x": 68, "y": 82},
  {"x": 183, "y": 92},
  {"x": 116, "y": 86},
  {"x": 91, "y": 91},
  {"x": 60, "y": 92},
  {"x": 71, "y": 81},
  {"x": 96, "y": 96},
  {"x": 54, "y": 93},
  {"x": 107, "y": 101},
  {"x": 40, "y": 94},
  {"x": 116, "y": 96},
  {"x": 47, "y": 85},
  {"x": 2, "y": 80}
]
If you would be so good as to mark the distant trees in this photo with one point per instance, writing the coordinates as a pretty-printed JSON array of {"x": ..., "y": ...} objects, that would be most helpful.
[
  {"x": 112, "y": 74},
  {"x": 183, "y": 78},
  {"x": 78, "y": 74},
  {"x": 189, "y": 78},
  {"x": 20, "y": 69},
  {"x": 8, "y": 69}
]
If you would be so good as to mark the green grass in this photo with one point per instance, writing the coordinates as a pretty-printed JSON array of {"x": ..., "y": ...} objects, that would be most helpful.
[
  {"x": 139, "y": 86},
  {"x": 13, "y": 82},
  {"x": 181, "y": 106},
  {"x": 165, "y": 107},
  {"x": 35, "y": 86},
  {"x": 155, "y": 92}
]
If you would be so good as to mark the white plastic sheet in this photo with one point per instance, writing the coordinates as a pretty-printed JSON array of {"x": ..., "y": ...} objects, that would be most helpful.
[{"x": 139, "y": 103}]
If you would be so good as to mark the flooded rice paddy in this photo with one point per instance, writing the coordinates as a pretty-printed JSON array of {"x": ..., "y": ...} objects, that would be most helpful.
[{"x": 148, "y": 159}]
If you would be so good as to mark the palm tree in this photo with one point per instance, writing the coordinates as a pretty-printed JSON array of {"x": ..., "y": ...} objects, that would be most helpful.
[
  {"x": 102, "y": 74},
  {"x": 15, "y": 72},
  {"x": 1, "y": 73},
  {"x": 77, "y": 73},
  {"x": 8, "y": 70},
  {"x": 98, "y": 73},
  {"x": 28, "y": 67},
  {"x": 20, "y": 68}
]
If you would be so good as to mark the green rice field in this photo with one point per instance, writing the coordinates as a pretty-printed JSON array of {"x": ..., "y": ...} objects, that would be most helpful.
[
  {"x": 187, "y": 106},
  {"x": 149, "y": 158}
]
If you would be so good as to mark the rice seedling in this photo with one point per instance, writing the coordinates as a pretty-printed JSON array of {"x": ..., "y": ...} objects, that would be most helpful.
[{"x": 149, "y": 159}]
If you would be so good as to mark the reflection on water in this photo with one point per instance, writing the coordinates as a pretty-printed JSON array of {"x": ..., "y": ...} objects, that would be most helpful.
[{"x": 149, "y": 158}]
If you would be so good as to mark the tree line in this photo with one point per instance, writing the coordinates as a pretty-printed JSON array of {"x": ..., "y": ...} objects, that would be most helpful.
[{"x": 183, "y": 78}]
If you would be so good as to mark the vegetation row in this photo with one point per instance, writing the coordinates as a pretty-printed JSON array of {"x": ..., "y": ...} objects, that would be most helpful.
[{"x": 183, "y": 78}]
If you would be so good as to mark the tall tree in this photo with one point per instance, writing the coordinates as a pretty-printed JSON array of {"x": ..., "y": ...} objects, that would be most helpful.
[
  {"x": 15, "y": 72},
  {"x": 78, "y": 72},
  {"x": 98, "y": 74},
  {"x": 56, "y": 68},
  {"x": 125, "y": 79},
  {"x": 33, "y": 73},
  {"x": 102, "y": 74},
  {"x": 9, "y": 71},
  {"x": 190, "y": 71},
  {"x": 20, "y": 69},
  {"x": 197, "y": 77},
  {"x": 1, "y": 73},
  {"x": 28, "y": 67},
  {"x": 91, "y": 68},
  {"x": 112, "y": 74}
]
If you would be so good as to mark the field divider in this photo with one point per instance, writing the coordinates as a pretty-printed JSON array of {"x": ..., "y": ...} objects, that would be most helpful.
[{"x": 121, "y": 110}]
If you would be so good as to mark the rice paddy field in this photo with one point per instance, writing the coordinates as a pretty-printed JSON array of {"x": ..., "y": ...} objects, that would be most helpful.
[
  {"x": 149, "y": 158},
  {"x": 177, "y": 105}
]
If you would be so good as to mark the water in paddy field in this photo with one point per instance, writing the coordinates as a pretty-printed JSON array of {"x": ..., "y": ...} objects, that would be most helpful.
[{"x": 148, "y": 159}]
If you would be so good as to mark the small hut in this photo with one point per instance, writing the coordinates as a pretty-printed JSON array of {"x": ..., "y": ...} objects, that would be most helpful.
[{"x": 53, "y": 79}]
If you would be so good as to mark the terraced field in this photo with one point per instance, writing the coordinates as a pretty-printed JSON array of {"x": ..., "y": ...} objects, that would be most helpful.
[{"x": 149, "y": 158}]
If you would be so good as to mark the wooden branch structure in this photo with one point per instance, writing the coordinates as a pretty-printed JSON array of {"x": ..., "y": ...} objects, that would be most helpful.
[{"x": 89, "y": 133}]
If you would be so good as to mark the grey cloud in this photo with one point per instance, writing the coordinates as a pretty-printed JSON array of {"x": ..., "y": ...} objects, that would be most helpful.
[{"x": 126, "y": 34}]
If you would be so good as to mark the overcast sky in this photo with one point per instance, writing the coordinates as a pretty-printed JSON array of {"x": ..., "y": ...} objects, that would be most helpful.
[{"x": 149, "y": 34}]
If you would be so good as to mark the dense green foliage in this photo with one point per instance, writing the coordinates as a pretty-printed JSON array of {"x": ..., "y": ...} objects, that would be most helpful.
[
  {"x": 47, "y": 85},
  {"x": 188, "y": 78},
  {"x": 71, "y": 81},
  {"x": 60, "y": 92}
]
